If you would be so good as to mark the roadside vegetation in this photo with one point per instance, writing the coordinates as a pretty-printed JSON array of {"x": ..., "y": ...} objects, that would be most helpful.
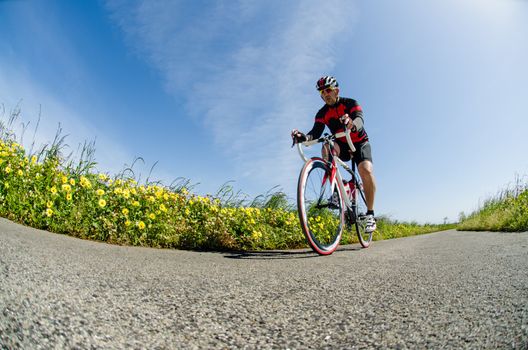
[
  {"x": 506, "y": 211},
  {"x": 45, "y": 189}
]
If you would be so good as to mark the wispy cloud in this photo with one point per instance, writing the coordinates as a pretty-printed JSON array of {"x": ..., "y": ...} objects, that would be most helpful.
[
  {"x": 247, "y": 69},
  {"x": 48, "y": 112}
]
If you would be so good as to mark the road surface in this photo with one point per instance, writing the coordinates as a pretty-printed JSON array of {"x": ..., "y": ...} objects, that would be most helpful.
[{"x": 449, "y": 290}]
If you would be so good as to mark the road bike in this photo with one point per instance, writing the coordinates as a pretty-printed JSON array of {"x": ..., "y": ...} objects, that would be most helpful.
[{"x": 326, "y": 202}]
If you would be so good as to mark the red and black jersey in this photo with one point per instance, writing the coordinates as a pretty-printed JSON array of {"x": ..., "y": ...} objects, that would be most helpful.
[{"x": 329, "y": 116}]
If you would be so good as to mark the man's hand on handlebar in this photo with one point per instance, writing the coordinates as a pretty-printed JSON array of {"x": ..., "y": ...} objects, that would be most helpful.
[
  {"x": 347, "y": 121},
  {"x": 298, "y": 136}
]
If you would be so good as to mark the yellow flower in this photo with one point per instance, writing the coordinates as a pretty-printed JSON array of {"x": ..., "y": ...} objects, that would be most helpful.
[
  {"x": 8, "y": 169},
  {"x": 166, "y": 196},
  {"x": 125, "y": 211},
  {"x": 66, "y": 187},
  {"x": 53, "y": 190},
  {"x": 49, "y": 212},
  {"x": 152, "y": 216},
  {"x": 102, "y": 203},
  {"x": 127, "y": 223},
  {"x": 163, "y": 208},
  {"x": 151, "y": 199},
  {"x": 133, "y": 191},
  {"x": 6, "y": 184},
  {"x": 135, "y": 203},
  {"x": 103, "y": 177},
  {"x": 69, "y": 196},
  {"x": 33, "y": 159},
  {"x": 100, "y": 192},
  {"x": 126, "y": 194},
  {"x": 141, "y": 225},
  {"x": 49, "y": 204},
  {"x": 72, "y": 182},
  {"x": 64, "y": 179},
  {"x": 256, "y": 235},
  {"x": 85, "y": 182}
]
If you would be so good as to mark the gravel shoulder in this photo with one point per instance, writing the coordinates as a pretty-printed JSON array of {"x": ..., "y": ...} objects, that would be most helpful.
[{"x": 449, "y": 289}]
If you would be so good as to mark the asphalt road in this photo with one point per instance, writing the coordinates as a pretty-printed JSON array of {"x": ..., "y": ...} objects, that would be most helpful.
[{"x": 450, "y": 289}]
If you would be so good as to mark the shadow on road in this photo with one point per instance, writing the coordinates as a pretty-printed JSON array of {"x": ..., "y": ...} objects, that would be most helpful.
[
  {"x": 283, "y": 254},
  {"x": 267, "y": 255}
]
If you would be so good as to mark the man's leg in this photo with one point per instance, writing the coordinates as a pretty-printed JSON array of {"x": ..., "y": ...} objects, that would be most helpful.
[
  {"x": 369, "y": 183},
  {"x": 325, "y": 151}
]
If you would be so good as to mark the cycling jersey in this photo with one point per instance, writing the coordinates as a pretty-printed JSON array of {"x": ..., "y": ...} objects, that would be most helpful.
[{"x": 329, "y": 116}]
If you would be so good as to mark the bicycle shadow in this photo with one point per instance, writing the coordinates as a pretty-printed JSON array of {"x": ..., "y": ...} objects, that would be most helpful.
[{"x": 284, "y": 254}]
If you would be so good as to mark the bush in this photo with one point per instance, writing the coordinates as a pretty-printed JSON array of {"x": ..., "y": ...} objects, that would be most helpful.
[{"x": 506, "y": 211}]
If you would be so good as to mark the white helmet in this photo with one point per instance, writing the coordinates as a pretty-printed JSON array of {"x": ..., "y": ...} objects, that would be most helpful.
[{"x": 326, "y": 82}]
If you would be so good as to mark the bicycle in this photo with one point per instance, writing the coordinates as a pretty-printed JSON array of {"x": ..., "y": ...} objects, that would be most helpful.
[{"x": 326, "y": 202}]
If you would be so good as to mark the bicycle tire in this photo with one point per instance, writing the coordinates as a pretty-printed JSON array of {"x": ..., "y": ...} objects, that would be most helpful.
[
  {"x": 360, "y": 213},
  {"x": 322, "y": 219}
]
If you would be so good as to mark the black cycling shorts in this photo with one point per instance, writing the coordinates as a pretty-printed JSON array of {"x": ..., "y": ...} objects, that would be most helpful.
[{"x": 363, "y": 152}]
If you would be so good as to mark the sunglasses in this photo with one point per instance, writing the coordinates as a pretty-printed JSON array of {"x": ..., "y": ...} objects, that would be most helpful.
[{"x": 327, "y": 90}]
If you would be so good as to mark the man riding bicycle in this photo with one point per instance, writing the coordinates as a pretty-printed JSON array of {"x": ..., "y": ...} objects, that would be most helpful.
[{"x": 336, "y": 113}]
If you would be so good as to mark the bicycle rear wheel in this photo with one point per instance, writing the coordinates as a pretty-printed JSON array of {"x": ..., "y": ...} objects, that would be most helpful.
[
  {"x": 360, "y": 211},
  {"x": 320, "y": 209}
]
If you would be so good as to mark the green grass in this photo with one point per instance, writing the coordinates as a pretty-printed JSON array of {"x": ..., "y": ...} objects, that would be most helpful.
[
  {"x": 506, "y": 211},
  {"x": 387, "y": 229},
  {"x": 47, "y": 190}
]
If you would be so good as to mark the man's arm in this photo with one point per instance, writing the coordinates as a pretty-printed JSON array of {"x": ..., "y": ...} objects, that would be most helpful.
[
  {"x": 356, "y": 114},
  {"x": 316, "y": 132}
]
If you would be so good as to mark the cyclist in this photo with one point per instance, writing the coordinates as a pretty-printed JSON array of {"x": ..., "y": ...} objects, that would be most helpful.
[{"x": 337, "y": 113}]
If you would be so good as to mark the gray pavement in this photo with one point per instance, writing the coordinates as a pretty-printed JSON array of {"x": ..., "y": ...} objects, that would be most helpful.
[{"x": 449, "y": 290}]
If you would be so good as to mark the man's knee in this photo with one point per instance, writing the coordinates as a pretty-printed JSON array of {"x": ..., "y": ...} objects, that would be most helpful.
[
  {"x": 326, "y": 151},
  {"x": 365, "y": 168}
]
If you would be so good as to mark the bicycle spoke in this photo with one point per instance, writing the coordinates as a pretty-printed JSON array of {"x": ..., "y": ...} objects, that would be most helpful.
[{"x": 360, "y": 209}]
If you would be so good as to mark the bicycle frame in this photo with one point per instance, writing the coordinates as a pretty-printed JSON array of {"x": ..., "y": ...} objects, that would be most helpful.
[{"x": 336, "y": 174}]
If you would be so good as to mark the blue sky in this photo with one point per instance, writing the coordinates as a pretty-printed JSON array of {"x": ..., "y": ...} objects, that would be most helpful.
[{"x": 211, "y": 89}]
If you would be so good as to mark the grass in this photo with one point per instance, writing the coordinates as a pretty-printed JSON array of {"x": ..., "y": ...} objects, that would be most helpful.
[
  {"x": 46, "y": 189},
  {"x": 506, "y": 211},
  {"x": 387, "y": 228}
]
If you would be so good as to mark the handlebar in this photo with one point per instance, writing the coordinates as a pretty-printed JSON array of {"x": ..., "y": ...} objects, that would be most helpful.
[{"x": 327, "y": 139}]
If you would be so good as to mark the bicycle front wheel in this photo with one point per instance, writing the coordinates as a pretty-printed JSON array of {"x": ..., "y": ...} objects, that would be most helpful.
[{"x": 320, "y": 207}]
